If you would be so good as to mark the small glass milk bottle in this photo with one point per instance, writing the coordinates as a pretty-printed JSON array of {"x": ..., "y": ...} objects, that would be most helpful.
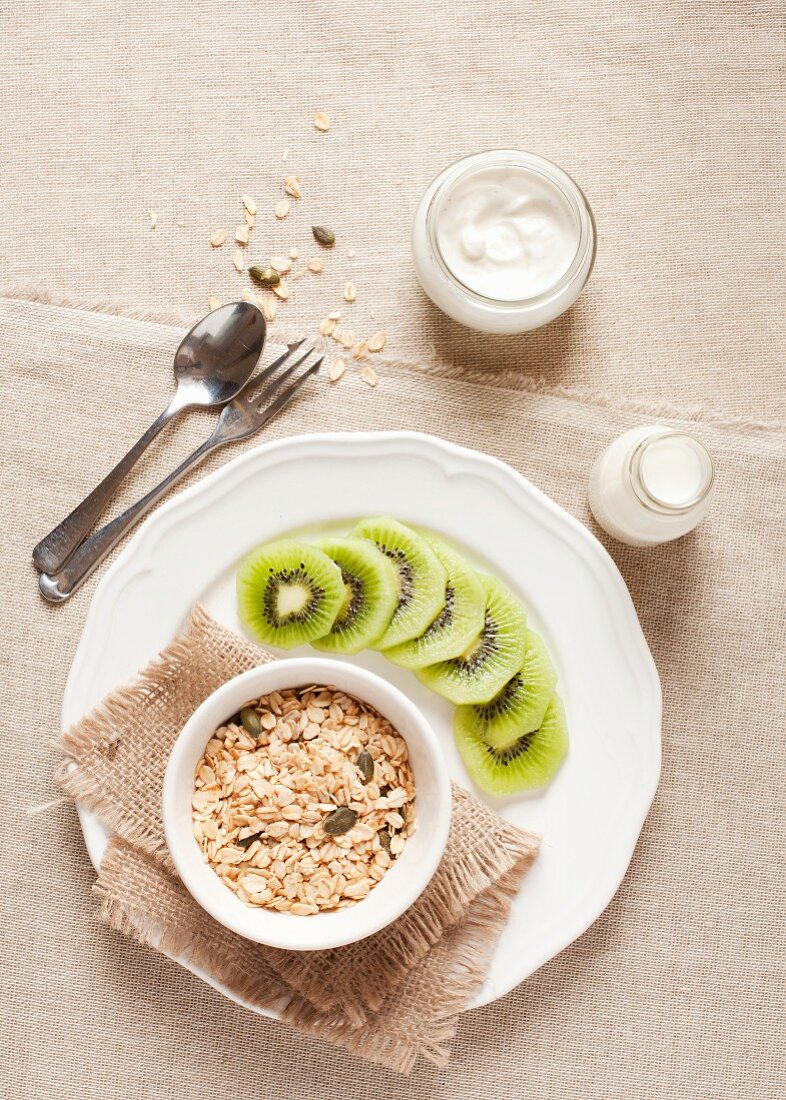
[{"x": 652, "y": 484}]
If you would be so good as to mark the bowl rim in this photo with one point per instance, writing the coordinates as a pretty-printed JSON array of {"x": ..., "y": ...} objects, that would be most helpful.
[{"x": 298, "y": 671}]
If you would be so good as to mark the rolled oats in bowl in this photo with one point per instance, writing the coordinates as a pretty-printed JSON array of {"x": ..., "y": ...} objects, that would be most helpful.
[{"x": 303, "y": 800}]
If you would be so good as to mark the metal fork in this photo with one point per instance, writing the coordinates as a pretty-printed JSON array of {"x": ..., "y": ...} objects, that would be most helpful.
[{"x": 241, "y": 418}]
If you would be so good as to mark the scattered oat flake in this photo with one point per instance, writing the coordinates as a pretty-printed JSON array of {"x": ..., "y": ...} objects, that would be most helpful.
[
  {"x": 281, "y": 291},
  {"x": 337, "y": 368},
  {"x": 298, "y": 275},
  {"x": 369, "y": 375},
  {"x": 153, "y": 219},
  {"x": 350, "y": 292},
  {"x": 241, "y": 234},
  {"x": 269, "y": 309},
  {"x": 293, "y": 253},
  {"x": 249, "y": 204},
  {"x": 250, "y": 219},
  {"x": 360, "y": 350},
  {"x": 335, "y": 315},
  {"x": 377, "y": 341},
  {"x": 292, "y": 187},
  {"x": 250, "y": 296},
  {"x": 317, "y": 266},
  {"x": 347, "y": 339},
  {"x": 281, "y": 209},
  {"x": 180, "y": 224},
  {"x": 322, "y": 121},
  {"x": 326, "y": 327},
  {"x": 280, "y": 264},
  {"x": 238, "y": 260},
  {"x": 218, "y": 238},
  {"x": 213, "y": 303}
]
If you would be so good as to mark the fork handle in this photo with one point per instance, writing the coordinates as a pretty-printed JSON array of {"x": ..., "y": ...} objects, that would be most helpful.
[
  {"x": 54, "y": 550},
  {"x": 57, "y": 588}
]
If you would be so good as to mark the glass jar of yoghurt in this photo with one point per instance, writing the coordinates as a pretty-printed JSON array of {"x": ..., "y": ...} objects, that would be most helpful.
[
  {"x": 651, "y": 485},
  {"x": 503, "y": 241}
]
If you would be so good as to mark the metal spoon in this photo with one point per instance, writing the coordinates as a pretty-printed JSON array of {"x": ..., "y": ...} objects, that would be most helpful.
[{"x": 212, "y": 365}]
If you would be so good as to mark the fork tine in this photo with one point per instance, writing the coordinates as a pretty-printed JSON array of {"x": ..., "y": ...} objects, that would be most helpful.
[
  {"x": 290, "y": 391},
  {"x": 266, "y": 373},
  {"x": 259, "y": 399}
]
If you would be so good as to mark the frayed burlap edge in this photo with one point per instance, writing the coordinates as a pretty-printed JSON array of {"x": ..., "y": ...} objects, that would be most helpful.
[
  {"x": 97, "y": 729},
  {"x": 448, "y": 941},
  {"x": 394, "y": 1038},
  {"x": 490, "y": 378}
]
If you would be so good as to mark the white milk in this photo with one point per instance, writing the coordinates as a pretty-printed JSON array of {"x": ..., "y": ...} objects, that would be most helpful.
[{"x": 650, "y": 485}]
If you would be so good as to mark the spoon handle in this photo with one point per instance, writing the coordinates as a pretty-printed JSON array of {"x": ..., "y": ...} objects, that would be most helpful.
[
  {"x": 93, "y": 550},
  {"x": 54, "y": 550}
]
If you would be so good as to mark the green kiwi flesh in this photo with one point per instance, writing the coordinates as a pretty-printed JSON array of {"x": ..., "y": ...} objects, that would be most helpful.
[
  {"x": 457, "y": 624},
  {"x": 370, "y": 595},
  {"x": 420, "y": 577},
  {"x": 521, "y": 704},
  {"x": 530, "y": 762},
  {"x": 288, "y": 593},
  {"x": 495, "y": 654}
]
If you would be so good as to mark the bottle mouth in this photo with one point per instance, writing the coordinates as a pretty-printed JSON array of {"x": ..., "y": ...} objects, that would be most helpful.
[
  {"x": 555, "y": 177},
  {"x": 671, "y": 472}
]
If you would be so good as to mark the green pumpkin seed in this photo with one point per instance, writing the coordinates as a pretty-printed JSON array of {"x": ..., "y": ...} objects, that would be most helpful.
[
  {"x": 365, "y": 763},
  {"x": 247, "y": 841},
  {"x": 250, "y": 721},
  {"x": 340, "y": 821},
  {"x": 384, "y": 840},
  {"x": 265, "y": 276},
  {"x": 324, "y": 236}
]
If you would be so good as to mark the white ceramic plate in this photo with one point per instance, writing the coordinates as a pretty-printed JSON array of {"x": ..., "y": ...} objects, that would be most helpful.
[{"x": 591, "y": 815}]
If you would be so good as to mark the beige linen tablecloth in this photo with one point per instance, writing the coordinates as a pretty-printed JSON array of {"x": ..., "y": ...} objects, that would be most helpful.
[{"x": 668, "y": 115}]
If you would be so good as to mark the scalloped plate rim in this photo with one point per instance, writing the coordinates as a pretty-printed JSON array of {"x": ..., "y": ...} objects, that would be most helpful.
[{"x": 453, "y": 460}]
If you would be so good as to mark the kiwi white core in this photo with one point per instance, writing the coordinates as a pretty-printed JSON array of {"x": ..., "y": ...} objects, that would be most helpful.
[{"x": 291, "y": 599}]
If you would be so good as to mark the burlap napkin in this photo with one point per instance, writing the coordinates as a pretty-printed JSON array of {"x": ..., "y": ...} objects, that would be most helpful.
[{"x": 388, "y": 998}]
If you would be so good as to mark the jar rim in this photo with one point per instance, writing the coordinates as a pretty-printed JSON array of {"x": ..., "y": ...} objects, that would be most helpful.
[
  {"x": 555, "y": 175},
  {"x": 645, "y": 493}
]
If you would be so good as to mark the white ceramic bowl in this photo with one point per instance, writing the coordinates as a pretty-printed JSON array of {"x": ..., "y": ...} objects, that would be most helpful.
[{"x": 409, "y": 874}]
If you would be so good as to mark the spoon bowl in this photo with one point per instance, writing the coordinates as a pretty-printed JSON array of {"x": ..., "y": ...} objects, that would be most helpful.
[{"x": 217, "y": 357}]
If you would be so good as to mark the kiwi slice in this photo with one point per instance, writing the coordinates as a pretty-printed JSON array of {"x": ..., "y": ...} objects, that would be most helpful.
[
  {"x": 288, "y": 593},
  {"x": 370, "y": 595},
  {"x": 519, "y": 707},
  {"x": 492, "y": 657},
  {"x": 459, "y": 621},
  {"x": 420, "y": 577},
  {"x": 530, "y": 761}
]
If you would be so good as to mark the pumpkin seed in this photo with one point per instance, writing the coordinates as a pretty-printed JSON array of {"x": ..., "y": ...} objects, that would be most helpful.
[
  {"x": 323, "y": 236},
  {"x": 365, "y": 763},
  {"x": 265, "y": 276},
  {"x": 340, "y": 821},
  {"x": 247, "y": 841},
  {"x": 250, "y": 721},
  {"x": 384, "y": 840}
]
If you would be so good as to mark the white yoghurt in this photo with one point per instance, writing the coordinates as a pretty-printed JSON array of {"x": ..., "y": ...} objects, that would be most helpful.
[
  {"x": 507, "y": 232},
  {"x": 503, "y": 241}
]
